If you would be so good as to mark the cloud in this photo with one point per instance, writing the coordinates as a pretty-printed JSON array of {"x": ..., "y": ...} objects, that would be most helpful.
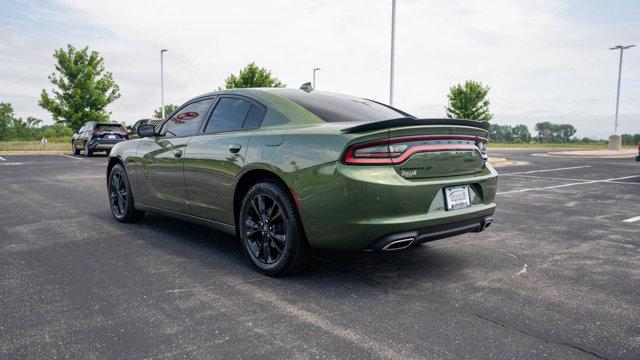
[{"x": 545, "y": 60}]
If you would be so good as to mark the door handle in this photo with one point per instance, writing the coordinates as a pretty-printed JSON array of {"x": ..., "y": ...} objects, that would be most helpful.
[
  {"x": 177, "y": 153},
  {"x": 234, "y": 148}
]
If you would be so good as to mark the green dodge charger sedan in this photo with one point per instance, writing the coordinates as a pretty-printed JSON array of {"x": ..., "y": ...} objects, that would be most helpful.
[{"x": 288, "y": 171}]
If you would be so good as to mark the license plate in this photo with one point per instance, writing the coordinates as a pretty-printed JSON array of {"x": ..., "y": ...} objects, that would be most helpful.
[
  {"x": 111, "y": 137},
  {"x": 457, "y": 197}
]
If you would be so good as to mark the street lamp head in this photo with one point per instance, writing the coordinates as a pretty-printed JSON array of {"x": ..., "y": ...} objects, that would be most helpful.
[
  {"x": 621, "y": 47},
  {"x": 163, "y": 50},
  {"x": 316, "y": 69}
]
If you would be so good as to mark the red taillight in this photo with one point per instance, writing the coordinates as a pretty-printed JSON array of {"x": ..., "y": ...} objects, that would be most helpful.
[
  {"x": 397, "y": 150},
  {"x": 94, "y": 133}
]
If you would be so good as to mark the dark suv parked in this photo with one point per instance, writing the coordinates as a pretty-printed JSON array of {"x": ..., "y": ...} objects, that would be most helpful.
[{"x": 95, "y": 136}]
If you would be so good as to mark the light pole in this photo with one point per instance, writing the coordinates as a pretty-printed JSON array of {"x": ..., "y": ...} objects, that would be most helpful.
[
  {"x": 162, "y": 80},
  {"x": 314, "y": 77},
  {"x": 393, "y": 49},
  {"x": 622, "y": 49}
]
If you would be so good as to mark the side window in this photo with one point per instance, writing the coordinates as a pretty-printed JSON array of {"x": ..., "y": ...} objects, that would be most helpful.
[
  {"x": 186, "y": 121},
  {"x": 228, "y": 115},
  {"x": 254, "y": 118}
]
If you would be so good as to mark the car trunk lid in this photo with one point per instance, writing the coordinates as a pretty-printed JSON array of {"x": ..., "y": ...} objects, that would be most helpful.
[{"x": 424, "y": 148}]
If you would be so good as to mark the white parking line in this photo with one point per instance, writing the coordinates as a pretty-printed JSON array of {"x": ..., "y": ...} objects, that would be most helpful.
[
  {"x": 565, "y": 185},
  {"x": 545, "y": 170},
  {"x": 72, "y": 157},
  {"x": 546, "y": 177},
  {"x": 571, "y": 179},
  {"x": 633, "y": 219},
  {"x": 3, "y": 159}
]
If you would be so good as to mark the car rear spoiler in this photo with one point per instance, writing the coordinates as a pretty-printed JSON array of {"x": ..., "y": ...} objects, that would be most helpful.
[{"x": 393, "y": 123}]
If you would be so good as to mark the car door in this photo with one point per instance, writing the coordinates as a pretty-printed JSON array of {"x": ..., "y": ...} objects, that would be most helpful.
[
  {"x": 162, "y": 179},
  {"x": 215, "y": 157}
]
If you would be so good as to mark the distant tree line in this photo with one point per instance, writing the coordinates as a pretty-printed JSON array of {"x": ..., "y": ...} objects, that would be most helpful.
[
  {"x": 553, "y": 133},
  {"x": 547, "y": 132},
  {"x": 15, "y": 128},
  {"x": 628, "y": 139},
  {"x": 507, "y": 133}
]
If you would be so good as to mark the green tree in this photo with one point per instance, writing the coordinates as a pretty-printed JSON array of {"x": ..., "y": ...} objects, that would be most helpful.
[
  {"x": 168, "y": 109},
  {"x": 6, "y": 119},
  {"x": 545, "y": 131},
  {"x": 566, "y": 131},
  {"x": 82, "y": 88},
  {"x": 469, "y": 101},
  {"x": 56, "y": 131},
  {"x": 252, "y": 76},
  {"x": 628, "y": 139},
  {"x": 549, "y": 132},
  {"x": 25, "y": 129},
  {"x": 521, "y": 132},
  {"x": 500, "y": 133}
]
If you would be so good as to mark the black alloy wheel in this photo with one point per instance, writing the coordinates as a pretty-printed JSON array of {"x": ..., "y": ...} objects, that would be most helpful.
[
  {"x": 266, "y": 228},
  {"x": 271, "y": 229},
  {"x": 120, "y": 198},
  {"x": 74, "y": 149},
  {"x": 87, "y": 152},
  {"x": 118, "y": 194}
]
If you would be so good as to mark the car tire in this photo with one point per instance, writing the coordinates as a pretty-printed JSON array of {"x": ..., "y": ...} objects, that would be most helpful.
[
  {"x": 74, "y": 149},
  {"x": 121, "y": 201},
  {"x": 271, "y": 230},
  {"x": 87, "y": 151}
]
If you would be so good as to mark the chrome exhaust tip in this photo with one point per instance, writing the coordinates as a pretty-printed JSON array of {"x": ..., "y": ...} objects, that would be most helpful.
[
  {"x": 485, "y": 224},
  {"x": 398, "y": 244}
]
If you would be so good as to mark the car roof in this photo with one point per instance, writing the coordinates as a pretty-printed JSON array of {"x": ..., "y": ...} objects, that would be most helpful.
[
  {"x": 281, "y": 109},
  {"x": 281, "y": 112},
  {"x": 108, "y": 123},
  {"x": 254, "y": 91}
]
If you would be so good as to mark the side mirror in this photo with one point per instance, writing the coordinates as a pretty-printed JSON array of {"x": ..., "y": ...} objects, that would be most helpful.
[{"x": 146, "y": 130}]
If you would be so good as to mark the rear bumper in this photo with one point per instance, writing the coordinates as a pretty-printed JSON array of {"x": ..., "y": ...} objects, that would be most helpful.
[
  {"x": 358, "y": 206},
  {"x": 103, "y": 145},
  {"x": 406, "y": 239}
]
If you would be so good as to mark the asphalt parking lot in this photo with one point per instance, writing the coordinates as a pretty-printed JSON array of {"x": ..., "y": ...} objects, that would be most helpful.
[{"x": 557, "y": 275}]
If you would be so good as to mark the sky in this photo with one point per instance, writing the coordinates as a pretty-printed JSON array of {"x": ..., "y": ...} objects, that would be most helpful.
[{"x": 545, "y": 60}]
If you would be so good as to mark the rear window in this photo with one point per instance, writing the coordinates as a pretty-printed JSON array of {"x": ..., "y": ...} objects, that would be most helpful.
[
  {"x": 112, "y": 128},
  {"x": 332, "y": 107}
]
